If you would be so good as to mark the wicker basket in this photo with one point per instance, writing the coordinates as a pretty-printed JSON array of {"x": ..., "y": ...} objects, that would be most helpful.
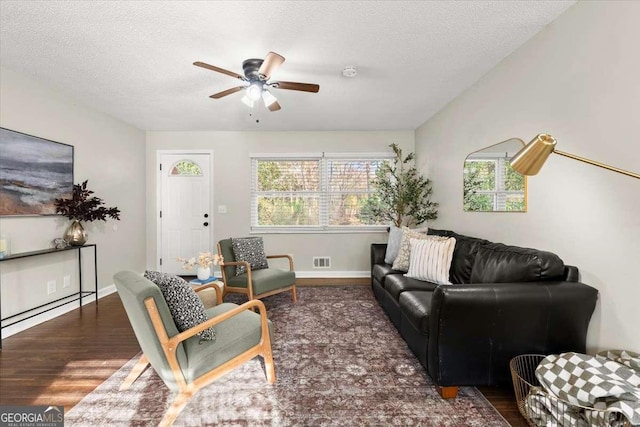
[{"x": 523, "y": 370}]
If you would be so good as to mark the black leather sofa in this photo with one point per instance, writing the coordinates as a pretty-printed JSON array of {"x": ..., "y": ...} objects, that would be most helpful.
[{"x": 503, "y": 301}]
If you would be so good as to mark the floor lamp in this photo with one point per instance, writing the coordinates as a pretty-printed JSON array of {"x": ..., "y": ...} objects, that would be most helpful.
[{"x": 529, "y": 160}]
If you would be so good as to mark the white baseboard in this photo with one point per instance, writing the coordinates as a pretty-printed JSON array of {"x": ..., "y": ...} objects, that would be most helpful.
[
  {"x": 322, "y": 274},
  {"x": 331, "y": 274},
  {"x": 41, "y": 318}
]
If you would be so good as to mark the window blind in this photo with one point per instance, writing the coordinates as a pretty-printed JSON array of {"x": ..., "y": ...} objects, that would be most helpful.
[{"x": 314, "y": 193}]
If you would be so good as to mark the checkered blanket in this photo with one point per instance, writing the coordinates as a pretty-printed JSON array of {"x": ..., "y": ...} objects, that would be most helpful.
[{"x": 609, "y": 382}]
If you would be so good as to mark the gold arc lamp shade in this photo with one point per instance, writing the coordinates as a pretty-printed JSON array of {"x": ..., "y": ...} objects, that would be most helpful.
[{"x": 530, "y": 159}]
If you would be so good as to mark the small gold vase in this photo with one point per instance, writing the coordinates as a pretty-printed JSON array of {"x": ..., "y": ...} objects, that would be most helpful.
[{"x": 76, "y": 235}]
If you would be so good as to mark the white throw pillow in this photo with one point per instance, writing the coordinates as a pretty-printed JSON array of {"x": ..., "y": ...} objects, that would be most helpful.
[
  {"x": 401, "y": 263},
  {"x": 430, "y": 259},
  {"x": 393, "y": 245}
]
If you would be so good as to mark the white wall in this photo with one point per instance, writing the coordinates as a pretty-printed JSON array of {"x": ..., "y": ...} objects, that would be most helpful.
[
  {"x": 232, "y": 175},
  {"x": 579, "y": 81},
  {"x": 110, "y": 154}
]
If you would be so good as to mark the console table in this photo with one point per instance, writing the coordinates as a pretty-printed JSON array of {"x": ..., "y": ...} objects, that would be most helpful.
[{"x": 76, "y": 296}]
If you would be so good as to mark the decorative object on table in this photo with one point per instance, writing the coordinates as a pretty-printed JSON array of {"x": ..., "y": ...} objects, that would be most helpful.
[
  {"x": 83, "y": 207},
  {"x": 403, "y": 195},
  {"x": 204, "y": 261},
  {"x": 60, "y": 243},
  {"x": 5, "y": 246},
  {"x": 572, "y": 389},
  {"x": 200, "y": 282},
  {"x": 530, "y": 159},
  {"x": 34, "y": 172}
]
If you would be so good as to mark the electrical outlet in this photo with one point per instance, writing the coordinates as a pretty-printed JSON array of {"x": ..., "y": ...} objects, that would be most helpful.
[
  {"x": 51, "y": 287},
  {"x": 66, "y": 281}
]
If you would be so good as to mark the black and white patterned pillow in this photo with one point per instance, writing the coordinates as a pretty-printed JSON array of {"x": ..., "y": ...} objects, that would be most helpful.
[
  {"x": 250, "y": 249},
  {"x": 184, "y": 304}
]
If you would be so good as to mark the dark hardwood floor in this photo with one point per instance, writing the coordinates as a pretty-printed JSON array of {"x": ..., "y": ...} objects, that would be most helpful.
[{"x": 60, "y": 361}]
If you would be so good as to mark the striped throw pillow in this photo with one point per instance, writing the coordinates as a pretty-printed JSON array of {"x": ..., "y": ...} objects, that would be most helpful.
[{"x": 430, "y": 259}]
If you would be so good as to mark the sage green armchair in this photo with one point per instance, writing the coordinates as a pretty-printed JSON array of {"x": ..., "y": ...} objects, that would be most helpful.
[
  {"x": 183, "y": 362},
  {"x": 255, "y": 284}
]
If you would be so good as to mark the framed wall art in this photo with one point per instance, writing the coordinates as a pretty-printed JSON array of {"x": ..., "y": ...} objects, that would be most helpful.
[{"x": 33, "y": 172}]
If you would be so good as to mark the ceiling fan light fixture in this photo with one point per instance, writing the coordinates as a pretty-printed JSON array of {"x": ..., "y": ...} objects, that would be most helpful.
[
  {"x": 247, "y": 101},
  {"x": 268, "y": 98},
  {"x": 256, "y": 81},
  {"x": 254, "y": 90}
]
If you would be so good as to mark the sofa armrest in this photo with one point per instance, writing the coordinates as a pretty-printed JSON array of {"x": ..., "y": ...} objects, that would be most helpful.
[
  {"x": 475, "y": 329},
  {"x": 378, "y": 251}
]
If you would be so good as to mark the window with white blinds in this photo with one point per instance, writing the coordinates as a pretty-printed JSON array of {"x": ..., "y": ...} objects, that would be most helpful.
[{"x": 314, "y": 192}]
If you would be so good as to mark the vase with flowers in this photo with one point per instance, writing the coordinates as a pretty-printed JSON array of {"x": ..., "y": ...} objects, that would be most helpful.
[
  {"x": 83, "y": 207},
  {"x": 203, "y": 261}
]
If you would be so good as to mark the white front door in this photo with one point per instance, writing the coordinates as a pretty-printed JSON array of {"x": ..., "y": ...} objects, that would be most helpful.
[{"x": 185, "y": 217}]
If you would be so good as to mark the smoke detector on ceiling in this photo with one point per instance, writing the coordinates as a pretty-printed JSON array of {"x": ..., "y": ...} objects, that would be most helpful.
[{"x": 350, "y": 71}]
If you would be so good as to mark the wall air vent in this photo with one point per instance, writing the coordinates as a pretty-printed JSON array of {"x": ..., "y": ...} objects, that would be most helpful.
[{"x": 321, "y": 262}]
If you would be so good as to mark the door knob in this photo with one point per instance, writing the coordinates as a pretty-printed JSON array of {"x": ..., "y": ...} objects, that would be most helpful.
[
  {"x": 206, "y": 224},
  {"x": 206, "y": 215}
]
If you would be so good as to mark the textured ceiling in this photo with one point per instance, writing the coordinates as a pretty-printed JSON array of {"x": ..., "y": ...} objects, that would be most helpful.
[{"x": 133, "y": 59}]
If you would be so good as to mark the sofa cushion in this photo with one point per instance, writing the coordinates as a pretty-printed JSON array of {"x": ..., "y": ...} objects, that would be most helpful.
[
  {"x": 430, "y": 259},
  {"x": 464, "y": 254},
  {"x": 416, "y": 305},
  {"x": 380, "y": 271},
  {"x": 265, "y": 280},
  {"x": 395, "y": 284},
  {"x": 244, "y": 332},
  {"x": 437, "y": 232},
  {"x": 498, "y": 263}
]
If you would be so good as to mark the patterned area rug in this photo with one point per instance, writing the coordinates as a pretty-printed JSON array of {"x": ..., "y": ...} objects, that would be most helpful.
[{"x": 339, "y": 362}]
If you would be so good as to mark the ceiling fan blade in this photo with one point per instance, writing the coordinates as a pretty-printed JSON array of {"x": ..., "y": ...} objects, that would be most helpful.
[
  {"x": 305, "y": 87},
  {"x": 270, "y": 64},
  {"x": 227, "y": 92},
  {"x": 274, "y": 107},
  {"x": 219, "y": 70}
]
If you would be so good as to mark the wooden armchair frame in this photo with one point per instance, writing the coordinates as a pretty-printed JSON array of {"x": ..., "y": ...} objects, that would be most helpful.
[
  {"x": 249, "y": 289},
  {"x": 170, "y": 346}
]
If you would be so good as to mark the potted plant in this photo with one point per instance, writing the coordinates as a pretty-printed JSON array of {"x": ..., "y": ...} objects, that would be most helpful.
[
  {"x": 204, "y": 261},
  {"x": 83, "y": 207},
  {"x": 403, "y": 195}
]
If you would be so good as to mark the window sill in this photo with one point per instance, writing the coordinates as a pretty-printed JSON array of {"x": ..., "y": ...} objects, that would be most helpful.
[{"x": 344, "y": 230}]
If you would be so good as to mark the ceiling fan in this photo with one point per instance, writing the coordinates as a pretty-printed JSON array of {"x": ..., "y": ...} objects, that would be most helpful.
[{"x": 257, "y": 73}]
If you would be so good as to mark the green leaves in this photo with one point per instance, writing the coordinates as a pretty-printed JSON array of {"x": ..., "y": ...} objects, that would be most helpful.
[
  {"x": 403, "y": 195},
  {"x": 85, "y": 207}
]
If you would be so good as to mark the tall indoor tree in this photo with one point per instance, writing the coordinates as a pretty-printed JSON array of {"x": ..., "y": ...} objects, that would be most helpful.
[{"x": 403, "y": 195}]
